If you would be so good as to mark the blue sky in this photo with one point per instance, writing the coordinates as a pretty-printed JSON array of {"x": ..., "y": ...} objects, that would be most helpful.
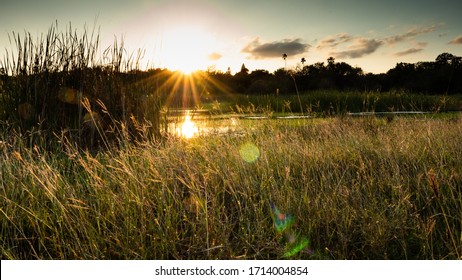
[{"x": 373, "y": 35}]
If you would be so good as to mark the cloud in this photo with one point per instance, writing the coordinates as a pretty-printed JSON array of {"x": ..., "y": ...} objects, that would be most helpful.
[
  {"x": 344, "y": 45},
  {"x": 360, "y": 48},
  {"x": 409, "y": 51},
  {"x": 214, "y": 56},
  {"x": 422, "y": 44},
  {"x": 335, "y": 40},
  {"x": 411, "y": 33},
  {"x": 257, "y": 50},
  {"x": 456, "y": 41}
]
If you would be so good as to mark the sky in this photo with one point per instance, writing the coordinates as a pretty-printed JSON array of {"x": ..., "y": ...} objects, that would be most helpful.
[{"x": 206, "y": 34}]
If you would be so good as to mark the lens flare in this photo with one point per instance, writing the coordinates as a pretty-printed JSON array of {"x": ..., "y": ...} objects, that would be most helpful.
[
  {"x": 283, "y": 223},
  {"x": 249, "y": 152},
  {"x": 300, "y": 244}
]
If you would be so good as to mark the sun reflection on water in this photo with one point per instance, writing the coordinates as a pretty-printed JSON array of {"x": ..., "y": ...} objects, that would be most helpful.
[
  {"x": 188, "y": 128},
  {"x": 191, "y": 124}
]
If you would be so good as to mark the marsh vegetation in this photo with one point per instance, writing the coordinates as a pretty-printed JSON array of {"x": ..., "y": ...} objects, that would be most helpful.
[{"x": 358, "y": 188}]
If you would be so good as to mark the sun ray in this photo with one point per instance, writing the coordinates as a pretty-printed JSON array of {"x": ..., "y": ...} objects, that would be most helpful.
[{"x": 177, "y": 90}]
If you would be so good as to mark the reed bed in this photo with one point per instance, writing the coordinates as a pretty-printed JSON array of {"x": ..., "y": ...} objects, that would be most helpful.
[
  {"x": 45, "y": 82},
  {"x": 358, "y": 188}
]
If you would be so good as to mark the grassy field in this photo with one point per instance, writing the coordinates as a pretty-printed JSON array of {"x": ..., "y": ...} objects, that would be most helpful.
[{"x": 358, "y": 188}]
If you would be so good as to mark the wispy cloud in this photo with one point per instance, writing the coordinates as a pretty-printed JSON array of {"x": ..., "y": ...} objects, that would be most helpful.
[
  {"x": 418, "y": 48},
  {"x": 214, "y": 56},
  {"x": 344, "y": 45},
  {"x": 258, "y": 50},
  {"x": 351, "y": 46},
  {"x": 359, "y": 48},
  {"x": 409, "y": 51},
  {"x": 456, "y": 41},
  {"x": 412, "y": 33},
  {"x": 333, "y": 41},
  {"x": 422, "y": 44}
]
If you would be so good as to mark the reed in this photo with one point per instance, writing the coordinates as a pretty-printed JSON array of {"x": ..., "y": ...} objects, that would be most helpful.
[{"x": 45, "y": 80}]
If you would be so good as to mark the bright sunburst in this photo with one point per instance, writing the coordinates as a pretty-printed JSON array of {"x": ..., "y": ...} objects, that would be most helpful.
[{"x": 187, "y": 49}]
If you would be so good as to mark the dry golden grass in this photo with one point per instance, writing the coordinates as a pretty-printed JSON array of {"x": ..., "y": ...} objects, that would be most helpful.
[{"x": 359, "y": 188}]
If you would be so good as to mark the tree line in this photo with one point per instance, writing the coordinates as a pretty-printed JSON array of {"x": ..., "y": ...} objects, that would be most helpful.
[{"x": 442, "y": 76}]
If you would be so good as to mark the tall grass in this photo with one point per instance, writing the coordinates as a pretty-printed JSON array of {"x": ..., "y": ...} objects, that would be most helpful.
[
  {"x": 45, "y": 80},
  {"x": 358, "y": 188}
]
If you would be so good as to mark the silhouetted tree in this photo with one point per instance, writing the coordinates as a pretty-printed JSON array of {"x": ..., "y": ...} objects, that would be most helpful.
[
  {"x": 283, "y": 81},
  {"x": 330, "y": 62},
  {"x": 261, "y": 81},
  {"x": 284, "y": 56},
  {"x": 241, "y": 81},
  {"x": 244, "y": 70},
  {"x": 444, "y": 75},
  {"x": 446, "y": 58}
]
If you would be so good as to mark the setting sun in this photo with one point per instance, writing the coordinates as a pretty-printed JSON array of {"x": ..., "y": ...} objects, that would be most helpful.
[{"x": 187, "y": 49}]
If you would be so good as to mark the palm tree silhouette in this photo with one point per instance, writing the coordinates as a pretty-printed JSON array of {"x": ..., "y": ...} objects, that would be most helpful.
[
  {"x": 284, "y": 56},
  {"x": 303, "y": 61}
]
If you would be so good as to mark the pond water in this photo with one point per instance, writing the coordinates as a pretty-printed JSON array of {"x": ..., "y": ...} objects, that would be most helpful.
[
  {"x": 387, "y": 113},
  {"x": 193, "y": 123}
]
